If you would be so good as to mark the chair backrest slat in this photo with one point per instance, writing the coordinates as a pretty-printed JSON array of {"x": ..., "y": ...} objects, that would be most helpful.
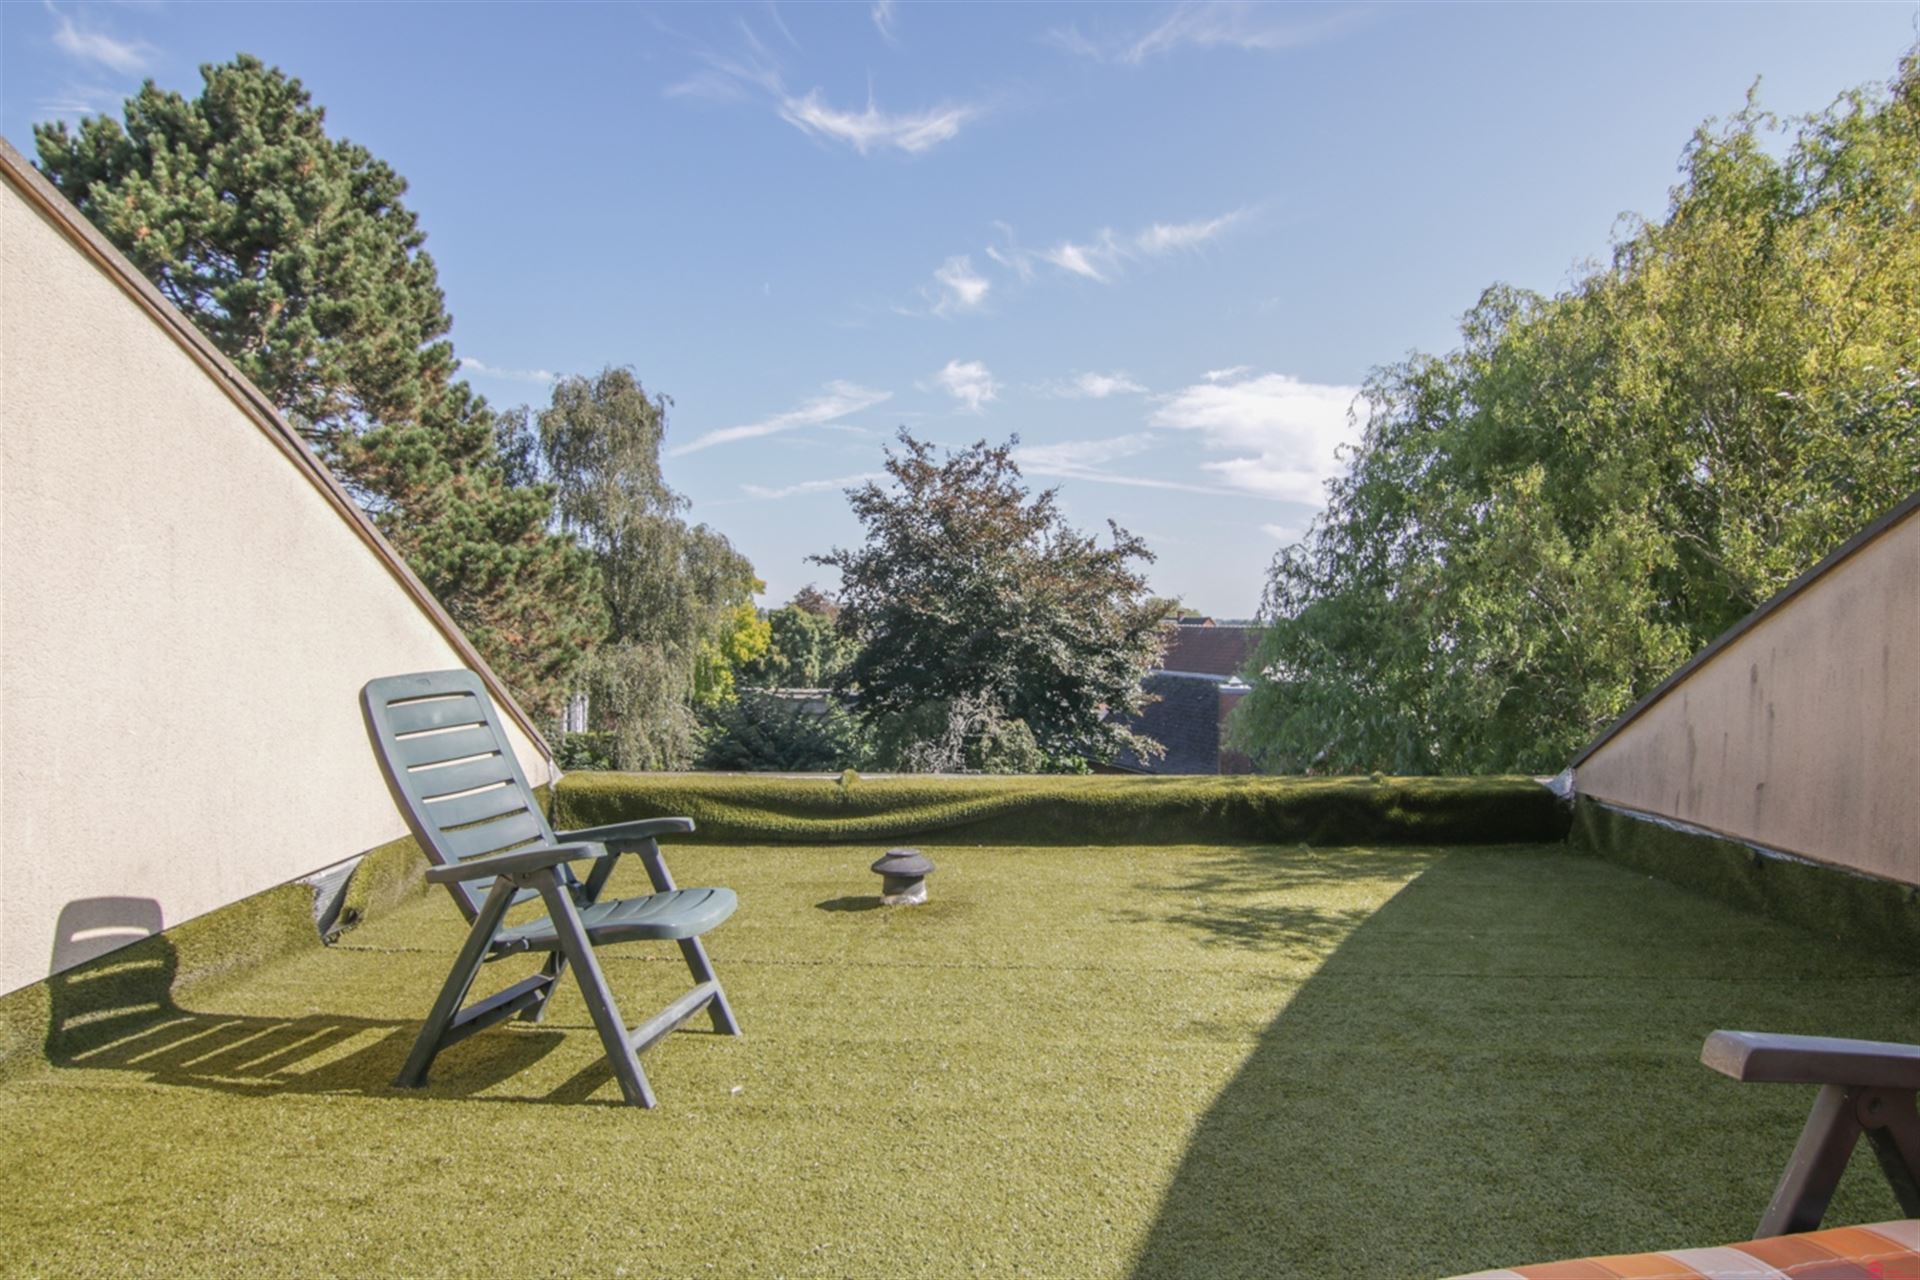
[
  {"x": 451, "y": 770},
  {"x": 438, "y": 713},
  {"x": 491, "y": 837},
  {"x": 434, "y": 781},
  {"x": 477, "y": 806},
  {"x": 444, "y": 745}
]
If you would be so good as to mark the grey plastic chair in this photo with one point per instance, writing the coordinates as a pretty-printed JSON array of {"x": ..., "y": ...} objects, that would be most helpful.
[{"x": 454, "y": 777}]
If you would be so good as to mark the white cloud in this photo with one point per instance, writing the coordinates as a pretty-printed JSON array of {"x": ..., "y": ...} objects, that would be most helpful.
[
  {"x": 1044, "y": 459},
  {"x": 74, "y": 101},
  {"x": 1287, "y": 433},
  {"x": 469, "y": 365},
  {"x": 873, "y": 129},
  {"x": 961, "y": 287},
  {"x": 1223, "y": 375},
  {"x": 1085, "y": 459},
  {"x": 1285, "y": 534},
  {"x": 1097, "y": 260},
  {"x": 1096, "y": 386},
  {"x": 840, "y": 400},
  {"x": 1104, "y": 257},
  {"x": 728, "y": 79},
  {"x": 882, "y": 14},
  {"x": 1163, "y": 237},
  {"x": 969, "y": 383},
  {"x": 809, "y": 486},
  {"x": 1207, "y": 24},
  {"x": 129, "y": 56}
]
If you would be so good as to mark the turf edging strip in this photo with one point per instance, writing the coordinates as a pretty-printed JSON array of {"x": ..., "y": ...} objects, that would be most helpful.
[
  {"x": 1841, "y": 905},
  {"x": 1073, "y": 810}
]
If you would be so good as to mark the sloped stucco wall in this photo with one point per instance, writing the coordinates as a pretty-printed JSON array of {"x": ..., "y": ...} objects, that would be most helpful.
[
  {"x": 186, "y": 619},
  {"x": 1801, "y": 734}
]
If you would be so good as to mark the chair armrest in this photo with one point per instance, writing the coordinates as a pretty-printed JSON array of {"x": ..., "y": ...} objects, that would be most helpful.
[
  {"x": 1760, "y": 1057},
  {"x": 515, "y": 862},
  {"x": 618, "y": 836}
]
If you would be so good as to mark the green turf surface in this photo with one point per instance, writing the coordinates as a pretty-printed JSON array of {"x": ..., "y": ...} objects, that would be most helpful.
[{"x": 1204, "y": 1061}]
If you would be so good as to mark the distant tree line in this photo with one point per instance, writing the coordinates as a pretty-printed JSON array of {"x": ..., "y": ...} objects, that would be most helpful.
[{"x": 1539, "y": 525}]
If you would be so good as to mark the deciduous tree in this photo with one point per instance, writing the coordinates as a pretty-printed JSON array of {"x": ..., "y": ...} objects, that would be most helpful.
[
  {"x": 1540, "y": 525},
  {"x": 975, "y": 598}
]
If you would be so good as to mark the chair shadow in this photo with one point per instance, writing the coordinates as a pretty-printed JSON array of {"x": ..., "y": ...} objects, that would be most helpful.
[
  {"x": 118, "y": 1012},
  {"x": 852, "y": 902}
]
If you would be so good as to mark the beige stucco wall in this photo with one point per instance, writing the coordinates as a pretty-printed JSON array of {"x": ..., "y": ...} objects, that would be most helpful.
[
  {"x": 186, "y": 620},
  {"x": 1803, "y": 734}
]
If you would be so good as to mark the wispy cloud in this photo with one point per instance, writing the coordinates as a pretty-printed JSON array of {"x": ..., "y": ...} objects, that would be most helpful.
[
  {"x": 1095, "y": 386},
  {"x": 839, "y": 400},
  {"x": 959, "y": 286},
  {"x": 1285, "y": 534},
  {"x": 478, "y": 368},
  {"x": 969, "y": 383},
  {"x": 873, "y": 129},
  {"x": 727, "y": 79},
  {"x": 766, "y": 492},
  {"x": 1087, "y": 459},
  {"x": 1287, "y": 433},
  {"x": 1104, "y": 257},
  {"x": 882, "y": 14},
  {"x": 1227, "y": 374},
  {"x": 74, "y": 101},
  {"x": 129, "y": 56},
  {"x": 1210, "y": 24}
]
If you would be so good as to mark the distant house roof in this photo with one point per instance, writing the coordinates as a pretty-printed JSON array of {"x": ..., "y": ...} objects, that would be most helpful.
[
  {"x": 1213, "y": 649},
  {"x": 1186, "y": 720}
]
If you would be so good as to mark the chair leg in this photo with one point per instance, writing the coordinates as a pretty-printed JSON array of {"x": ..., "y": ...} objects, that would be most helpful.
[
  {"x": 1813, "y": 1171},
  {"x": 577, "y": 948},
  {"x": 453, "y": 993},
  {"x": 719, "y": 1010}
]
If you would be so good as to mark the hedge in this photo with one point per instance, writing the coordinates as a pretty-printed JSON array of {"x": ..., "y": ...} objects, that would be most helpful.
[{"x": 1073, "y": 810}]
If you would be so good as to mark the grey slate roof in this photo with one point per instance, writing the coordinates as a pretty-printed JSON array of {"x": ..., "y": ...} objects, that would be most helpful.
[{"x": 1185, "y": 720}]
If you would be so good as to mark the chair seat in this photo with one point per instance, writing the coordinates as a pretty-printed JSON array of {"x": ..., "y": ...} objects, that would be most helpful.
[{"x": 683, "y": 913}]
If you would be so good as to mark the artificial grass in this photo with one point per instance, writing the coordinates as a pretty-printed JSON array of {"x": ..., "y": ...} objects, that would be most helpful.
[
  {"x": 1074, "y": 1061},
  {"x": 1073, "y": 810},
  {"x": 1831, "y": 901}
]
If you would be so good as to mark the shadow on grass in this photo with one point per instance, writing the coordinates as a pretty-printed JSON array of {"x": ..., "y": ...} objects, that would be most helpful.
[
  {"x": 853, "y": 902},
  {"x": 118, "y": 1013},
  {"x": 1485, "y": 1070},
  {"x": 1210, "y": 898}
]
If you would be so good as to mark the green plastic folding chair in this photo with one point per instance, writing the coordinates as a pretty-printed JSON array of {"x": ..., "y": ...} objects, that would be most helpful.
[{"x": 454, "y": 777}]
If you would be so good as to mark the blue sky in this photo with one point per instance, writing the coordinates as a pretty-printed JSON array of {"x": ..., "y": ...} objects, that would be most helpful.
[{"x": 1164, "y": 243}]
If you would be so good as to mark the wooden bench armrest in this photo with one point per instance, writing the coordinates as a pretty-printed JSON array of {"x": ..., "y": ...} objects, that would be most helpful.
[{"x": 1762, "y": 1057}]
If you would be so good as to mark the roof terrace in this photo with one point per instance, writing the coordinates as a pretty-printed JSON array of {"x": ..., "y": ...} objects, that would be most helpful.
[{"x": 1104, "y": 1060}]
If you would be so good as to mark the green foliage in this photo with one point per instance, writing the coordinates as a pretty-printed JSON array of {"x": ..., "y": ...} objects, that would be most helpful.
[
  {"x": 804, "y": 651},
  {"x": 741, "y": 637},
  {"x": 1540, "y": 525},
  {"x": 1059, "y": 810},
  {"x": 678, "y": 598},
  {"x": 290, "y": 249},
  {"x": 294, "y": 254},
  {"x": 585, "y": 751},
  {"x": 757, "y": 732},
  {"x": 976, "y": 600}
]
